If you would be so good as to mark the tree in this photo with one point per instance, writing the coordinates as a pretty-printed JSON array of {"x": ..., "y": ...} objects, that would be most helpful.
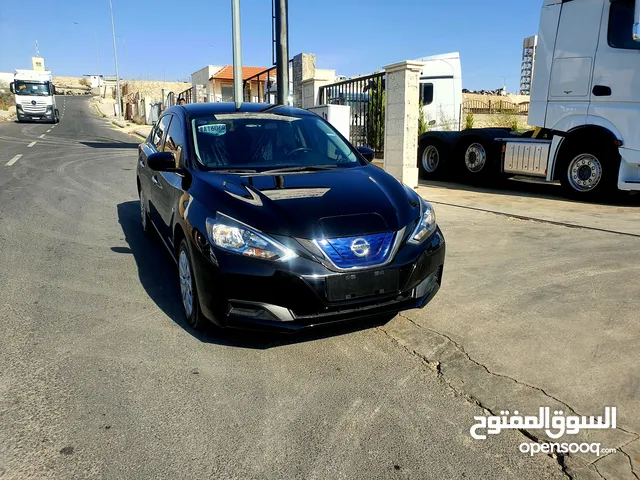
[
  {"x": 375, "y": 115},
  {"x": 422, "y": 122}
]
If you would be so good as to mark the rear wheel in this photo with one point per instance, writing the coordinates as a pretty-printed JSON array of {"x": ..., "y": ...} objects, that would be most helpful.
[
  {"x": 188, "y": 291},
  {"x": 431, "y": 158},
  {"x": 476, "y": 157},
  {"x": 144, "y": 215}
]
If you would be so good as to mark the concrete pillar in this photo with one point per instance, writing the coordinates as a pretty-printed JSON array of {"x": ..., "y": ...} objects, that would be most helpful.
[
  {"x": 311, "y": 87},
  {"x": 401, "y": 121},
  {"x": 304, "y": 68}
]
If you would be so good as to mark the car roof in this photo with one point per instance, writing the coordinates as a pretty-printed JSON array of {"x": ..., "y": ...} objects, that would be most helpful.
[{"x": 213, "y": 108}]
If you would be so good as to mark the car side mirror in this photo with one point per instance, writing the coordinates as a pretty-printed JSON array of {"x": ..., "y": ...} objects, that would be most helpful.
[
  {"x": 12, "y": 87},
  {"x": 162, "y": 162},
  {"x": 367, "y": 153}
]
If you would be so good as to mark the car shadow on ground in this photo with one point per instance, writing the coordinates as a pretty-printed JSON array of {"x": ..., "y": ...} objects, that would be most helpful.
[
  {"x": 531, "y": 189},
  {"x": 158, "y": 275},
  {"x": 111, "y": 144}
]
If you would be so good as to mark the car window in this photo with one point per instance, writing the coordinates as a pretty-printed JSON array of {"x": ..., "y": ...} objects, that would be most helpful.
[
  {"x": 267, "y": 140},
  {"x": 174, "y": 142},
  {"x": 621, "y": 26},
  {"x": 159, "y": 130},
  {"x": 426, "y": 93}
]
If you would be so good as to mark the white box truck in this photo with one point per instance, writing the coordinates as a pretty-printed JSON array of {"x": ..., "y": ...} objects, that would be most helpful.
[
  {"x": 35, "y": 96},
  {"x": 585, "y": 106}
]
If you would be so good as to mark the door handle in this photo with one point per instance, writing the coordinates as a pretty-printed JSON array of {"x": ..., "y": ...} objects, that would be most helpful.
[
  {"x": 156, "y": 182},
  {"x": 601, "y": 91}
]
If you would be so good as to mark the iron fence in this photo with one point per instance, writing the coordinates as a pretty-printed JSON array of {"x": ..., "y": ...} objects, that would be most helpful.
[
  {"x": 261, "y": 87},
  {"x": 496, "y": 106},
  {"x": 366, "y": 97},
  {"x": 186, "y": 95}
]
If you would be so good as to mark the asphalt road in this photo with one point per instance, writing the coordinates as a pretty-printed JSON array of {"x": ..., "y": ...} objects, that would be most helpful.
[{"x": 101, "y": 378}]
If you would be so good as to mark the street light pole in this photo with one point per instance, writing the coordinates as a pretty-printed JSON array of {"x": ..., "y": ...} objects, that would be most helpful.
[
  {"x": 282, "y": 50},
  {"x": 115, "y": 57},
  {"x": 237, "y": 53}
]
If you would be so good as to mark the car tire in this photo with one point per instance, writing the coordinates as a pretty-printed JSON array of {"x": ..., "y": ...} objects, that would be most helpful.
[
  {"x": 144, "y": 215},
  {"x": 590, "y": 172},
  {"x": 188, "y": 290},
  {"x": 431, "y": 158}
]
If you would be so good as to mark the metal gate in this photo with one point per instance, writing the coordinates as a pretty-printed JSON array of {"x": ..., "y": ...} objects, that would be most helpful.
[{"x": 366, "y": 97}]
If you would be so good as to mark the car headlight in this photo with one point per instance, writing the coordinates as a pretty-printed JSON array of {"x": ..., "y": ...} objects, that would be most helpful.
[
  {"x": 236, "y": 237},
  {"x": 426, "y": 223}
]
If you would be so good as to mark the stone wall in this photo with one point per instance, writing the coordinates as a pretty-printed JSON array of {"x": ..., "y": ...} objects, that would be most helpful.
[{"x": 152, "y": 90}]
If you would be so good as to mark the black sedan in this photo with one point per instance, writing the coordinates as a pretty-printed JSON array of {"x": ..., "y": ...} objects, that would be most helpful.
[{"x": 276, "y": 222}]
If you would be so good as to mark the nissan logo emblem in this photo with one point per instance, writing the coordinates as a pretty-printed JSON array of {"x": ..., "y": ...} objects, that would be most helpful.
[{"x": 360, "y": 247}]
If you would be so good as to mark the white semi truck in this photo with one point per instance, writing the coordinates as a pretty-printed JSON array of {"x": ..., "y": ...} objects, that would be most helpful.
[
  {"x": 35, "y": 96},
  {"x": 585, "y": 106}
]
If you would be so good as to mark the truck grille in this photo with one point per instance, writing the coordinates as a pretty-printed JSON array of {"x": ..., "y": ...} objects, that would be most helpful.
[{"x": 39, "y": 107}]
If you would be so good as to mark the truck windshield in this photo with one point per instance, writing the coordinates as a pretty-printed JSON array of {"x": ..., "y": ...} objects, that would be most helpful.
[{"x": 32, "y": 88}]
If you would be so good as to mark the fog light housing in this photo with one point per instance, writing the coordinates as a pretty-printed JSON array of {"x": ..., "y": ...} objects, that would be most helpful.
[{"x": 427, "y": 284}]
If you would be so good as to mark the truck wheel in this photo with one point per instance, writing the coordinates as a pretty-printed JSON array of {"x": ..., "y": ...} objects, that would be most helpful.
[
  {"x": 431, "y": 158},
  {"x": 590, "y": 172},
  {"x": 476, "y": 158}
]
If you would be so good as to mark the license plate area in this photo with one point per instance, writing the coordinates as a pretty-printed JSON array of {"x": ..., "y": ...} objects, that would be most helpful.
[{"x": 350, "y": 286}]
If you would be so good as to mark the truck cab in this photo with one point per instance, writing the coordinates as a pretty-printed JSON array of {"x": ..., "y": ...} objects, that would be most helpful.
[
  {"x": 586, "y": 87},
  {"x": 585, "y": 101},
  {"x": 441, "y": 91},
  {"x": 35, "y": 96}
]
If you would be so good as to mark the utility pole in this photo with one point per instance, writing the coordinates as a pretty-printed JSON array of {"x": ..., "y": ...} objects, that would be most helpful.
[
  {"x": 237, "y": 53},
  {"x": 115, "y": 57},
  {"x": 282, "y": 50}
]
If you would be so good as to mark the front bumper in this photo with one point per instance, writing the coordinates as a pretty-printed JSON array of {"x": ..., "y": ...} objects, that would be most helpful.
[
  {"x": 242, "y": 292},
  {"x": 33, "y": 116}
]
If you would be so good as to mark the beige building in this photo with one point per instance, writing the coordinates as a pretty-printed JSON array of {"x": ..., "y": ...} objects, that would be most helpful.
[{"x": 37, "y": 64}]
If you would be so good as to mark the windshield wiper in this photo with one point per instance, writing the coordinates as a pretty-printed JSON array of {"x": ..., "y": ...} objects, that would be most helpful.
[
  {"x": 233, "y": 170},
  {"x": 301, "y": 168}
]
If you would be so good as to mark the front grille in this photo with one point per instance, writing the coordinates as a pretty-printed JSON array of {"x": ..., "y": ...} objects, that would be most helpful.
[
  {"x": 39, "y": 107},
  {"x": 361, "y": 251}
]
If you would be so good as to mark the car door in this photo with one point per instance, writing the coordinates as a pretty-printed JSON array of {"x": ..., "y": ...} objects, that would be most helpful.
[
  {"x": 169, "y": 188},
  {"x": 156, "y": 189},
  {"x": 615, "y": 94}
]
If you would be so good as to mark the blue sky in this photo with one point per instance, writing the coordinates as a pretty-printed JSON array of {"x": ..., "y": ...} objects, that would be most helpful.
[{"x": 160, "y": 41}]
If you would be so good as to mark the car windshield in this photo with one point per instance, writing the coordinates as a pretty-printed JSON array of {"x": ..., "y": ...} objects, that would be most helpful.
[
  {"x": 32, "y": 88},
  {"x": 267, "y": 141}
]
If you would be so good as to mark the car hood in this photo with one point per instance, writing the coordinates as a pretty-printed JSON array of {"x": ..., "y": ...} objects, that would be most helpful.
[{"x": 319, "y": 204}]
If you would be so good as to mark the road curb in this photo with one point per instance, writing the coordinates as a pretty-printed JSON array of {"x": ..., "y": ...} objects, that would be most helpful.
[
  {"x": 140, "y": 133},
  {"x": 119, "y": 123}
]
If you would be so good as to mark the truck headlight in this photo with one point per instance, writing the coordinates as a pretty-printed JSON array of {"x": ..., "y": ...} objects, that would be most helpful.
[
  {"x": 236, "y": 237},
  {"x": 18, "y": 106},
  {"x": 426, "y": 223},
  {"x": 49, "y": 108}
]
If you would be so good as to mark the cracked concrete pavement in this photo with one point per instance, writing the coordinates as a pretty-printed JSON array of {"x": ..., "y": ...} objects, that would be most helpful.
[
  {"x": 101, "y": 378},
  {"x": 535, "y": 312}
]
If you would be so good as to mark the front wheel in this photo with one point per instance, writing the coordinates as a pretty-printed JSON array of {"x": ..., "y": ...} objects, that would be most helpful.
[
  {"x": 590, "y": 173},
  {"x": 188, "y": 291}
]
